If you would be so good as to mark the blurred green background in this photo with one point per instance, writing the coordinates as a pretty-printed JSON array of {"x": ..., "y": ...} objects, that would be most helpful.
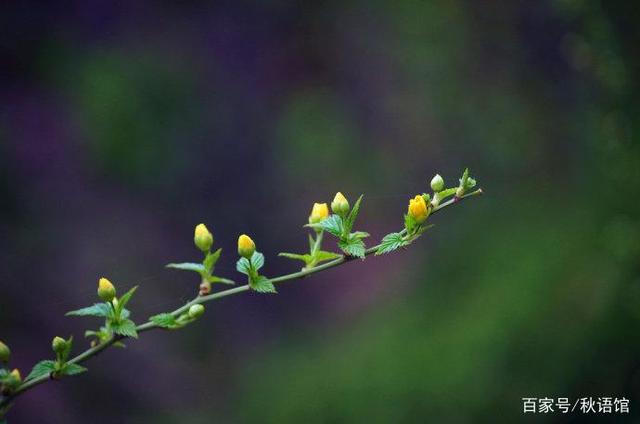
[{"x": 122, "y": 125}]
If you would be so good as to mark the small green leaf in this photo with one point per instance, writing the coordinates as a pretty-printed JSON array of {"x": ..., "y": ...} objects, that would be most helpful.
[
  {"x": 332, "y": 224},
  {"x": 215, "y": 279},
  {"x": 125, "y": 298},
  {"x": 351, "y": 218},
  {"x": 97, "y": 310},
  {"x": 42, "y": 368},
  {"x": 446, "y": 193},
  {"x": 353, "y": 247},
  {"x": 125, "y": 328},
  {"x": 323, "y": 255},
  {"x": 306, "y": 258},
  {"x": 244, "y": 266},
  {"x": 187, "y": 266},
  {"x": 262, "y": 285},
  {"x": 391, "y": 242},
  {"x": 72, "y": 369},
  {"x": 359, "y": 234},
  {"x": 164, "y": 320},
  {"x": 125, "y": 313},
  {"x": 257, "y": 259},
  {"x": 466, "y": 182},
  {"x": 210, "y": 260},
  {"x": 410, "y": 223}
]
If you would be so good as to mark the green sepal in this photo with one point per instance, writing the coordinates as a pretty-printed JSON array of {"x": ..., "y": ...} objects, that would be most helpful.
[{"x": 64, "y": 354}]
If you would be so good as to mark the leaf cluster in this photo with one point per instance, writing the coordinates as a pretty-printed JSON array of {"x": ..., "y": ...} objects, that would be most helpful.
[
  {"x": 250, "y": 268},
  {"x": 116, "y": 317},
  {"x": 204, "y": 269},
  {"x": 351, "y": 243}
]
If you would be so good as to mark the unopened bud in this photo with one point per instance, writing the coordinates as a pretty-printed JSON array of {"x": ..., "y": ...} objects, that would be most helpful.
[
  {"x": 340, "y": 204},
  {"x": 106, "y": 290},
  {"x": 246, "y": 246},
  {"x": 437, "y": 183},
  {"x": 319, "y": 212},
  {"x": 58, "y": 345},
  {"x": 196, "y": 311},
  {"x": 15, "y": 374},
  {"x": 203, "y": 238},
  {"x": 418, "y": 209},
  {"x": 5, "y": 352}
]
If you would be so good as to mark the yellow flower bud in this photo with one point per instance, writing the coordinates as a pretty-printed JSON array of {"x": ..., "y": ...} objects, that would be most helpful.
[
  {"x": 202, "y": 238},
  {"x": 340, "y": 204},
  {"x": 418, "y": 209},
  {"x": 246, "y": 246},
  {"x": 16, "y": 375},
  {"x": 58, "y": 345},
  {"x": 106, "y": 291},
  {"x": 196, "y": 311},
  {"x": 319, "y": 212},
  {"x": 5, "y": 352}
]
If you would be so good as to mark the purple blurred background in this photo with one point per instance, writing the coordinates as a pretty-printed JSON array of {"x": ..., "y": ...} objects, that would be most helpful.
[{"x": 124, "y": 124}]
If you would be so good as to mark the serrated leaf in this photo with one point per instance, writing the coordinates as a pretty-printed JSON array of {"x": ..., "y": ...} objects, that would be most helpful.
[
  {"x": 351, "y": 218},
  {"x": 210, "y": 260},
  {"x": 244, "y": 266},
  {"x": 353, "y": 247},
  {"x": 257, "y": 259},
  {"x": 262, "y": 285},
  {"x": 125, "y": 328},
  {"x": 97, "y": 310},
  {"x": 323, "y": 255},
  {"x": 72, "y": 369},
  {"x": 391, "y": 242},
  {"x": 164, "y": 320},
  {"x": 187, "y": 266},
  {"x": 42, "y": 368},
  {"x": 332, "y": 224}
]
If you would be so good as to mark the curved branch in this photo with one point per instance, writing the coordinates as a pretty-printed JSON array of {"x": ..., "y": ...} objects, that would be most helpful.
[{"x": 149, "y": 325}]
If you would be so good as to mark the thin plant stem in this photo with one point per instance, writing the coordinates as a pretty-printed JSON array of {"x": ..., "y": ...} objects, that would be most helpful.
[{"x": 149, "y": 325}]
